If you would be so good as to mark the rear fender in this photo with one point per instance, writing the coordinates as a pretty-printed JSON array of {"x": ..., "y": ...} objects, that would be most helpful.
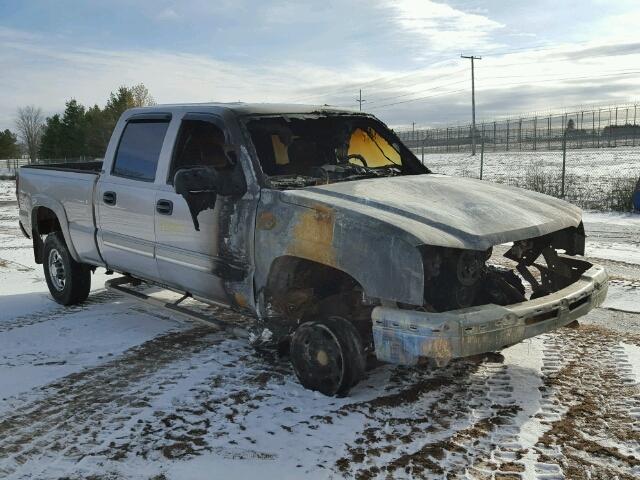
[{"x": 39, "y": 201}]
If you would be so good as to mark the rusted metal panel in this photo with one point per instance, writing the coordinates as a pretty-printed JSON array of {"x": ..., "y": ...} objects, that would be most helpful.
[{"x": 377, "y": 256}]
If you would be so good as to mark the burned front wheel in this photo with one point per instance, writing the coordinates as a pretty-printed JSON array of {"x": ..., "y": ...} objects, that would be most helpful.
[{"x": 328, "y": 356}]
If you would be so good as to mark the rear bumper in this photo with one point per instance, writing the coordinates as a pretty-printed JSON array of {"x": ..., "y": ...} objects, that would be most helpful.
[{"x": 403, "y": 336}]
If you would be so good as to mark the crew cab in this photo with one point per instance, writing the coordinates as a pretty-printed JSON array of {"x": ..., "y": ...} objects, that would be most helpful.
[{"x": 318, "y": 223}]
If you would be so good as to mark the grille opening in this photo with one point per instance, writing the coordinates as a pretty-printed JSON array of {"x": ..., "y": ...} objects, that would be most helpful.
[
  {"x": 541, "y": 317},
  {"x": 578, "y": 303}
]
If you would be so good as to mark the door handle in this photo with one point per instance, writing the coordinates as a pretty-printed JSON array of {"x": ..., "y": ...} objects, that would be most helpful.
[
  {"x": 109, "y": 198},
  {"x": 164, "y": 207}
]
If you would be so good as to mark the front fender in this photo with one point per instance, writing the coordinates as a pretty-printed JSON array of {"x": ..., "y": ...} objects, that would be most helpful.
[{"x": 377, "y": 255}]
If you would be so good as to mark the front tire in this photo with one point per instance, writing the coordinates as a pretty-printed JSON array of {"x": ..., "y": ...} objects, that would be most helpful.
[
  {"x": 69, "y": 282},
  {"x": 327, "y": 355}
]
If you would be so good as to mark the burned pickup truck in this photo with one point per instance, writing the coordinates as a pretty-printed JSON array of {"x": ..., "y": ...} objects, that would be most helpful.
[{"x": 321, "y": 225}]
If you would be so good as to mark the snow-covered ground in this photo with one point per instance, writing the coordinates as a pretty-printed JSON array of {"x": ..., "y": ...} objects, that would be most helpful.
[
  {"x": 111, "y": 390},
  {"x": 594, "y": 178}
]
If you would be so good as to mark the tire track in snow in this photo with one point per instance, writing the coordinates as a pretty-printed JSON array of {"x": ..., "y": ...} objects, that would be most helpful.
[
  {"x": 462, "y": 426},
  {"x": 590, "y": 408},
  {"x": 79, "y": 407}
]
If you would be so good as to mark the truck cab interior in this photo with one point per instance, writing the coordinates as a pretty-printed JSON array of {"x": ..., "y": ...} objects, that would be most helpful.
[{"x": 297, "y": 152}]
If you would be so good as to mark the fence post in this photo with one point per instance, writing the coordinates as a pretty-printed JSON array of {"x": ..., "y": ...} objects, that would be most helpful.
[
  {"x": 520, "y": 134},
  {"x": 507, "y": 135},
  {"x": 564, "y": 162},
  {"x": 581, "y": 127},
  {"x": 626, "y": 128},
  {"x": 481, "y": 157},
  {"x": 494, "y": 136}
]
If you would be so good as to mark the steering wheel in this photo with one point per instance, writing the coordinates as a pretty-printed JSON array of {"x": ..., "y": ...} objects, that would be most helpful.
[{"x": 357, "y": 156}]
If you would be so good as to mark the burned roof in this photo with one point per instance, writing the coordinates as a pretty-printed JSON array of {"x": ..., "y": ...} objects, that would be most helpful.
[{"x": 248, "y": 109}]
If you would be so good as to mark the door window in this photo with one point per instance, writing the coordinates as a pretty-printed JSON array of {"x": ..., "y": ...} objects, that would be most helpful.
[
  {"x": 200, "y": 143},
  {"x": 139, "y": 150}
]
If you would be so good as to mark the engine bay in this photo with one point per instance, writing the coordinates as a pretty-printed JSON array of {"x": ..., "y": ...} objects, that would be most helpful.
[{"x": 504, "y": 274}]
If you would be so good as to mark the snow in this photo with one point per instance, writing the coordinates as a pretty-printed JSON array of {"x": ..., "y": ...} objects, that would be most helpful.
[
  {"x": 112, "y": 389},
  {"x": 633, "y": 354},
  {"x": 623, "y": 296}
]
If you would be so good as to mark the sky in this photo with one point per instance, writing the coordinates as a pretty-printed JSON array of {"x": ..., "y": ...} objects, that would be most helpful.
[{"x": 403, "y": 54}]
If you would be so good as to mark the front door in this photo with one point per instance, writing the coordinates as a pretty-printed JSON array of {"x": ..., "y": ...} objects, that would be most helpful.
[
  {"x": 205, "y": 261},
  {"x": 126, "y": 199}
]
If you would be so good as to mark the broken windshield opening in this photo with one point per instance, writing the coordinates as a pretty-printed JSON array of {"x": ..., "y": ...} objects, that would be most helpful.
[{"x": 300, "y": 152}]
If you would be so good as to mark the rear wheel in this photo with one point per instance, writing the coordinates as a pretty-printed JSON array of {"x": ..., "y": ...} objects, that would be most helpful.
[
  {"x": 69, "y": 281},
  {"x": 328, "y": 356}
]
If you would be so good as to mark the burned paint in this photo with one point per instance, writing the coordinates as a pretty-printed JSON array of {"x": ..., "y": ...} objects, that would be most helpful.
[
  {"x": 266, "y": 221},
  {"x": 312, "y": 235},
  {"x": 240, "y": 300},
  {"x": 438, "y": 348}
]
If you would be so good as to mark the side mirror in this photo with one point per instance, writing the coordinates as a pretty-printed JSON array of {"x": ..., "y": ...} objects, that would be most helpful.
[
  {"x": 196, "y": 180},
  {"x": 199, "y": 187}
]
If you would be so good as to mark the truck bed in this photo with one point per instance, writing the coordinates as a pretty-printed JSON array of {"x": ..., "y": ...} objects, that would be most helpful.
[
  {"x": 80, "y": 167},
  {"x": 67, "y": 189}
]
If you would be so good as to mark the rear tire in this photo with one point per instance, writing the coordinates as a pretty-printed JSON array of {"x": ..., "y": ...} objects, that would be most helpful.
[
  {"x": 69, "y": 282},
  {"x": 328, "y": 356}
]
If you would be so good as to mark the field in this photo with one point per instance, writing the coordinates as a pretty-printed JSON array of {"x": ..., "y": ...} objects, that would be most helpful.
[
  {"x": 599, "y": 179},
  {"x": 112, "y": 390}
]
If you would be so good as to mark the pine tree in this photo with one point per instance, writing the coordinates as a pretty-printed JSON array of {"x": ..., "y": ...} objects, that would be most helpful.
[{"x": 9, "y": 145}]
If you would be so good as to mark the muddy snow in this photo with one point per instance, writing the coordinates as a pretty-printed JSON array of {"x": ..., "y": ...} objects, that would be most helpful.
[{"x": 111, "y": 390}]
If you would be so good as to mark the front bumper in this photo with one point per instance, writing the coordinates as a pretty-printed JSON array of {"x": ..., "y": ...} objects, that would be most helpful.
[{"x": 403, "y": 336}]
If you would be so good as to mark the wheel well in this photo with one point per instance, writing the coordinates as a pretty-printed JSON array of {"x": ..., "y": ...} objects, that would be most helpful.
[
  {"x": 43, "y": 221},
  {"x": 293, "y": 273},
  {"x": 298, "y": 290}
]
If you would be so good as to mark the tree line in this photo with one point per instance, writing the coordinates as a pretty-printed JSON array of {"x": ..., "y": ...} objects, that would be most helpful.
[{"x": 79, "y": 132}]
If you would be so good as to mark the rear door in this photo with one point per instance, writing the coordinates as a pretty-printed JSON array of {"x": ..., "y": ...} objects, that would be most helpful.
[{"x": 125, "y": 198}]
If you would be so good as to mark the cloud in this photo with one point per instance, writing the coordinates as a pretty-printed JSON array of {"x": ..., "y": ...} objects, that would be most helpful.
[
  {"x": 442, "y": 25},
  {"x": 47, "y": 75},
  {"x": 310, "y": 55},
  {"x": 619, "y": 49},
  {"x": 167, "y": 14}
]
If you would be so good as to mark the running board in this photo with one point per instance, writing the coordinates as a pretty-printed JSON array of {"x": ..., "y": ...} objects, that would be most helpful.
[{"x": 119, "y": 285}]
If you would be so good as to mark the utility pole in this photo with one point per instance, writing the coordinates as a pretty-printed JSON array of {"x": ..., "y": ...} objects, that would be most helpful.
[
  {"x": 473, "y": 103},
  {"x": 360, "y": 100}
]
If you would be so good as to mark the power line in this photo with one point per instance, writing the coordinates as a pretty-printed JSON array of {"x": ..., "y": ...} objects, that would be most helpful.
[
  {"x": 420, "y": 98},
  {"x": 393, "y": 97},
  {"x": 370, "y": 83},
  {"x": 510, "y": 84}
]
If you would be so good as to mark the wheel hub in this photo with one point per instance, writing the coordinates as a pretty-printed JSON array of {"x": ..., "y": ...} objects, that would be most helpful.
[
  {"x": 57, "y": 273},
  {"x": 322, "y": 358}
]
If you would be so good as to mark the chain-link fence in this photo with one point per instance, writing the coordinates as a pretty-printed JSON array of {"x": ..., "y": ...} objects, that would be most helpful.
[
  {"x": 615, "y": 126},
  {"x": 590, "y": 157},
  {"x": 596, "y": 179}
]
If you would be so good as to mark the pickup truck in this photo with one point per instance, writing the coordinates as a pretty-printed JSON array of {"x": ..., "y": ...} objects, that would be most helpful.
[{"x": 321, "y": 225}]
